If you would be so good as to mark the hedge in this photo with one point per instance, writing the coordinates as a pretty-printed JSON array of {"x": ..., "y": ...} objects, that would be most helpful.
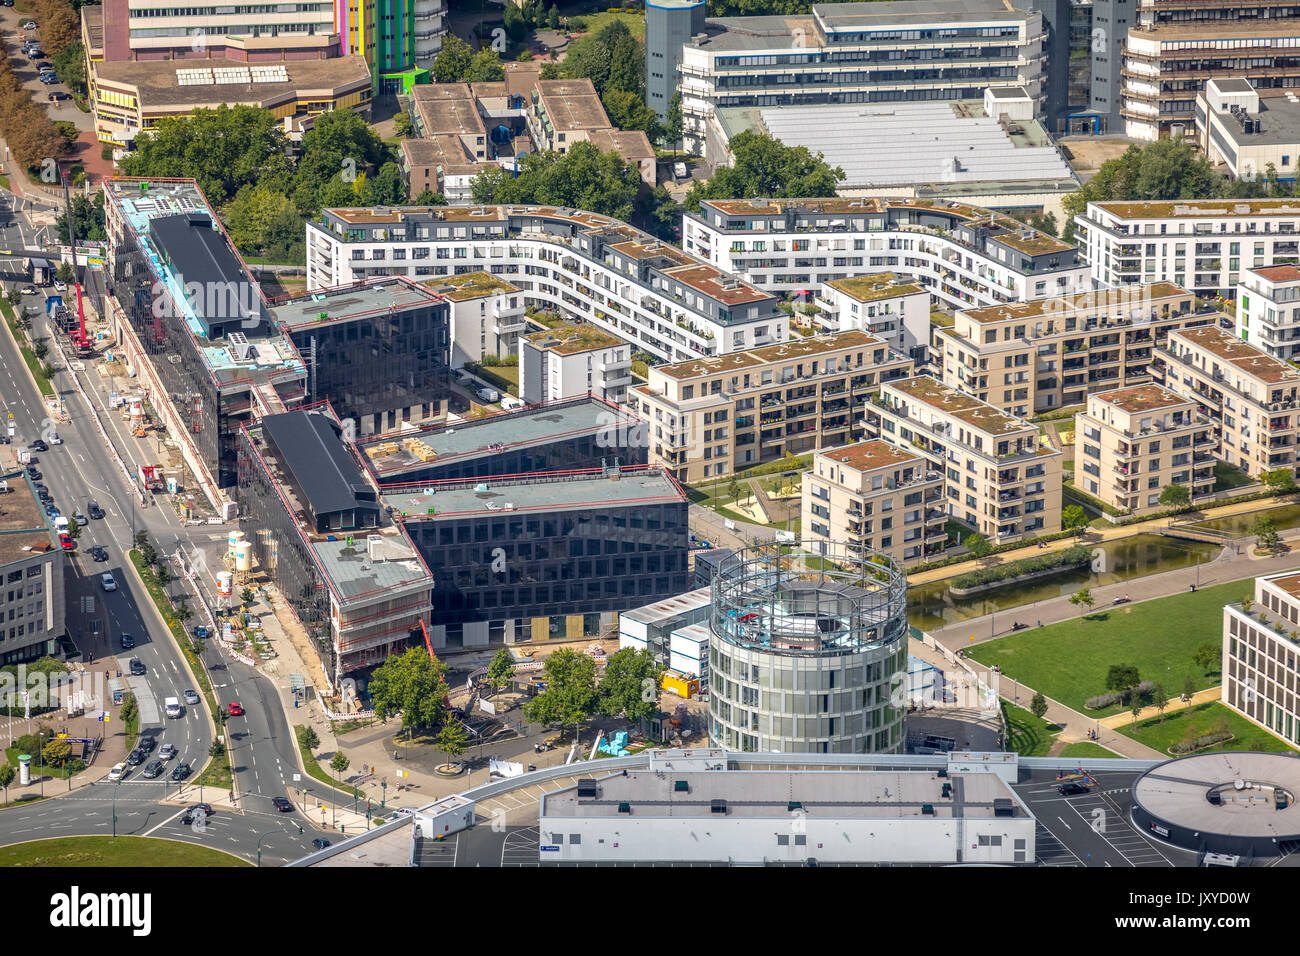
[
  {"x": 1112, "y": 697},
  {"x": 997, "y": 549},
  {"x": 1070, "y": 557},
  {"x": 1205, "y": 740}
]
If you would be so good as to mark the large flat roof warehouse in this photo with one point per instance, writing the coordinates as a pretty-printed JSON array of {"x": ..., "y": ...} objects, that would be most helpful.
[
  {"x": 389, "y": 294},
  {"x": 190, "y": 84},
  {"x": 524, "y": 428},
  {"x": 571, "y": 491},
  {"x": 859, "y": 795},
  {"x": 945, "y": 143},
  {"x": 1241, "y": 355}
]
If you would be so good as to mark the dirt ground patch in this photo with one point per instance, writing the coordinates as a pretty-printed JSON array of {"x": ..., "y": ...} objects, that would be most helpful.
[{"x": 1089, "y": 152}]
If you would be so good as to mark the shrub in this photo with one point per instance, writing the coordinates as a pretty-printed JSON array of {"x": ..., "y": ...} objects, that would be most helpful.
[
  {"x": 1196, "y": 743},
  {"x": 1111, "y": 698},
  {"x": 1070, "y": 557}
]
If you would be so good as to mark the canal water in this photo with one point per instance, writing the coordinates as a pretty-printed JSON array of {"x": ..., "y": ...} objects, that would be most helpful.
[
  {"x": 1284, "y": 518},
  {"x": 930, "y": 606}
]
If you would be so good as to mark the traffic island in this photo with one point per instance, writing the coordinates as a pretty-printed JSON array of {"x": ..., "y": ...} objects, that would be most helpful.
[{"x": 104, "y": 851}]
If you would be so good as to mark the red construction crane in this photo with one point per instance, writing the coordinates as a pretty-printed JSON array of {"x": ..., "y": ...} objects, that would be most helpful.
[{"x": 81, "y": 340}]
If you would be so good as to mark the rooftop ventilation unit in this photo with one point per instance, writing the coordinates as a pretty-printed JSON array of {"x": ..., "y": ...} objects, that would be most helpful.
[
  {"x": 240, "y": 348},
  {"x": 586, "y": 789}
]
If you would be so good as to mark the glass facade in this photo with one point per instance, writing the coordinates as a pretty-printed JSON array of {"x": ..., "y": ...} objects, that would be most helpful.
[
  {"x": 582, "y": 561},
  {"x": 571, "y": 454}
]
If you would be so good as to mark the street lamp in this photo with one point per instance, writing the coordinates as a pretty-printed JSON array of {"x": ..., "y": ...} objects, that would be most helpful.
[
  {"x": 267, "y": 834},
  {"x": 117, "y": 786},
  {"x": 305, "y": 791}
]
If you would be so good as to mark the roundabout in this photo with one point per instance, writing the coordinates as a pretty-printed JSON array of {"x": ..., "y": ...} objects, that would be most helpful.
[{"x": 1242, "y": 804}]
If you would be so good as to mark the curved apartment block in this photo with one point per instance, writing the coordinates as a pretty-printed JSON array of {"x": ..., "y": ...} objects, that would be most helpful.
[
  {"x": 667, "y": 303},
  {"x": 964, "y": 256}
]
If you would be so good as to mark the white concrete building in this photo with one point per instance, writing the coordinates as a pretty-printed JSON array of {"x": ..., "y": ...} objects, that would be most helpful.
[
  {"x": 1200, "y": 245},
  {"x": 1247, "y": 132},
  {"x": 884, "y": 304},
  {"x": 1268, "y": 310},
  {"x": 574, "y": 360},
  {"x": 679, "y": 812},
  {"x": 963, "y": 255},
  {"x": 1259, "y": 661},
  {"x": 667, "y": 303},
  {"x": 487, "y": 315}
]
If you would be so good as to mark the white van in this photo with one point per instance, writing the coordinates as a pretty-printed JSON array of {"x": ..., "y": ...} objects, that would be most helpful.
[
  {"x": 172, "y": 705},
  {"x": 60, "y": 523}
]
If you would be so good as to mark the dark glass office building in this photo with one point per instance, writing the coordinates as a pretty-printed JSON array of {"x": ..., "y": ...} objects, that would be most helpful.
[{"x": 546, "y": 558}]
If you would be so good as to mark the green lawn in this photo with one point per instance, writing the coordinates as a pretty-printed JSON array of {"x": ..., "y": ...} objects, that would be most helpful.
[
  {"x": 595, "y": 21},
  {"x": 1085, "y": 748},
  {"x": 105, "y": 851},
  {"x": 1068, "y": 661},
  {"x": 1203, "y": 717},
  {"x": 504, "y": 377},
  {"x": 1029, "y": 736},
  {"x": 319, "y": 773},
  {"x": 1225, "y": 476}
]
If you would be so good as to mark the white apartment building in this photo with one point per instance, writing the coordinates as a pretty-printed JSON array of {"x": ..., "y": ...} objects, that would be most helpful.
[
  {"x": 884, "y": 304},
  {"x": 843, "y": 53},
  {"x": 574, "y": 360},
  {"x": 962, "y": 255},
  {"x": 1268, "y": 310},
  {"x": 1201, "y": 245},
  {"x": 1259, "y": 666},
  {"x": 487, "y": 315},
  {"x": 1252, "y": 398},
  {"x": 1247, "y": 132},
  {"x": 1132, "y": 443},
  {"x": 998, "y": 479},
  {"x": 597, "y": 269},
  {"x": 874, "y": 498}
]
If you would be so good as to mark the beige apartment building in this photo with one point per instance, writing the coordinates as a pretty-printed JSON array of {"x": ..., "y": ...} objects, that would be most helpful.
[
  {"x": 1260, "y": 681},
  {"x": 997, "y": 477},
  {"x": 874, "y": 499},
  {"x": 1132, "y": 443},
  {"x": 1252, "y": 398},
  {"x": 716, "y": 415},
  {"x": 1030, "y": 357}
]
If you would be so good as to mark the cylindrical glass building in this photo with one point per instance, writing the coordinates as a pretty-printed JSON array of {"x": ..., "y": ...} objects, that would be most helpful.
[{"x": 808, "y": 652}]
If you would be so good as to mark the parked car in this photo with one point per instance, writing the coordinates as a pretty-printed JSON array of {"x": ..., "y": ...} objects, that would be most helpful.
[
  {"x": 119, "y": 771},
  {"x": 66, "y": 542},
  {"x": 235, "y": 709},
  {"x": 33, "y": 473},
  {"x": 48, "y": 78},
  {"x": 167, "y": 751},
  {"x": 51, "y": 511},
  {"x": 128, "y": 642},
  {"x": 137, "y": 668},
  {"x": 106, "y": 581},
  {"x": 281, "y": 804},
  {"x": 59, "y": 284},
  {"x": 190, "y": 697},
  {"x": 153, "y": 769},
  {"x": 320, "y": 843},
  {"x": 96, "y": 512},
  {"x": 200, "y": 631},
  {"x": 181, "y": 771},
  {"x": 1071, "y": 789},
  {"x": 58, "y": 95},
  {"x": 29, "y": 25}
]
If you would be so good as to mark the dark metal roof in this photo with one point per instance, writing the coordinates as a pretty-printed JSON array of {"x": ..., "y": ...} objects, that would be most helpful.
[
  {"x": 311, "y": 450},
  {"x": 198, "y": 253}
]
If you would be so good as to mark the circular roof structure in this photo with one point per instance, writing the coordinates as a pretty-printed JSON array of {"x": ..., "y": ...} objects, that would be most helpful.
[{"x": 1222, "y": 802}]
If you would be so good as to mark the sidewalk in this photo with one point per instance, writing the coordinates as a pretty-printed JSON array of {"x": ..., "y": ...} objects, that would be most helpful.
[{"x": 1097, "y": 536}]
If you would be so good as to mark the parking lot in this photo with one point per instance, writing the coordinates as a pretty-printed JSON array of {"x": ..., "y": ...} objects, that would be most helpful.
[{"x": 1094, "y": 828}]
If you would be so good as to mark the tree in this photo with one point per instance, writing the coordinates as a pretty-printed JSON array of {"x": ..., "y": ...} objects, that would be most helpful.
[
  {"x": 1121, "y": 677},
  {"x": 1279, "y": 481},
  {"x": 56, "y": 753},
  {"x": 1189, "y": 688},
  {"x": 183, "y": 612},
  {"x": 254, "y": 216},
  {"x": 516, "y": 25},
  {"x": 70, "y": 67},
  {"x": 1175, "y": 496},
  {"x": 413, "y": 685},
  {"x": 1075, "y": 519},
  {"x": 162, "y": 575},
  {"x": 430, "y": 198},
  {"x": 570, "y": 696},
  {"x": 1083, "y": 599},
  {"x": 674, "y": 125},
  {"x": 485, "y": 67},
  {"x": 130, "y": 710},
  {"x": 1135, "y": 707},
  {"x": 1265, "y": 532},
  {"x": 453, "y": 60},
  {"x": 1208, "y": 656},
  {"x": 64, "y": 272},
  {"x": 387, "y": 188},
  {"x": 340, "y": 147},
  {"x": 765, "y": 167},
  {"x": 582, "y": 178},
  {"x": 307, "y": 738},
  {"x": 612, "y": 59},
  {"x": 402, "y": 124},
  {"x": 87, "y": 219},
  {"x": 246, "y": 596},
  {"x": 1038, "y": 705},
  {"x": 41, "y": 348},
  {"x": 453, "y": 739},
  {"x": 977, "y": 545},
  {"x": 553, "y": 17},
  {"x": 627, "y": 110},
  {"x": 1161, "y": 699},
  {"x": 339, "y": 763},
  {"x": 216, "y": 749},
  {"x": 60, "y": 25},
  {"x": 501, "y": 669},
  {"x": 630, "y": 686},
  {"x": 7, "y": 774}
]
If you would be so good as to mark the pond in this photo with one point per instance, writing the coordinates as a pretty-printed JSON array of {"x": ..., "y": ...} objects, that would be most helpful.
[
  {"x": 1283, "y": 518},
  {"x": 931, "y": 606}
]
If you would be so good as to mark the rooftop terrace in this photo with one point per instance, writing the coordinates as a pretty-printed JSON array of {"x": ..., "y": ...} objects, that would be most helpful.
[
  {"x": 1101, "y": 301},
  {"x": 866, "y": 455},
  {"x": 1141, "y": 398},
  {"x": 469, "y": 285},
  {"x": 572, "y": 339},
  {"x": 1202, "y": 208},
  {"x": 871, "y": 288},
  {"x": 1242, "y": 356},
  {"x": 789, "y": 351},
  {"x": 972, "y": 411}
]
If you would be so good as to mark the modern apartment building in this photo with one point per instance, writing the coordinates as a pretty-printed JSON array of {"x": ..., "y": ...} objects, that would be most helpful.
[
  {"x": 378, "y": 350},
  {"x": 1201, "y": 245},
  {"x": 902, "y": 51},
  {"x": 591, "y": 267},
  {"x": 192, "y": 325},
  {"x": 487, "y": 315},
  {"x": 883, "y": 304},
  {"x": 715, "y": 416},
  {"x": 1253, "y": 136},
  {"x": 32, "y": 597},
  {"x": 321, "y": 536},
  {"x": 1268, "y": 310},
  {"x": 1259, "y": 656},
  {"x": 998, "y": 479},
  {"x": 541, "y": 557},
  {"x": 1177, "y": 45},
  {"x": 1132, "y": 443},
  {"x": 1252, "y": 398},
  {"x": 962, "y": 255},
  {"x": 874, "y": 499},
  {"x": 1030, "y": 357},
  {"x": 574, "y": 360}
]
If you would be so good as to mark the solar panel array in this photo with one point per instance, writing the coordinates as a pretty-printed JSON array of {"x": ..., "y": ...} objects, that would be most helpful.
[
  {"x": 276, "y": 73},
  {"x": 229, "y": 74},
  {"x": 193, "y": 77},
  {"x": 912, "y": 144}
]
